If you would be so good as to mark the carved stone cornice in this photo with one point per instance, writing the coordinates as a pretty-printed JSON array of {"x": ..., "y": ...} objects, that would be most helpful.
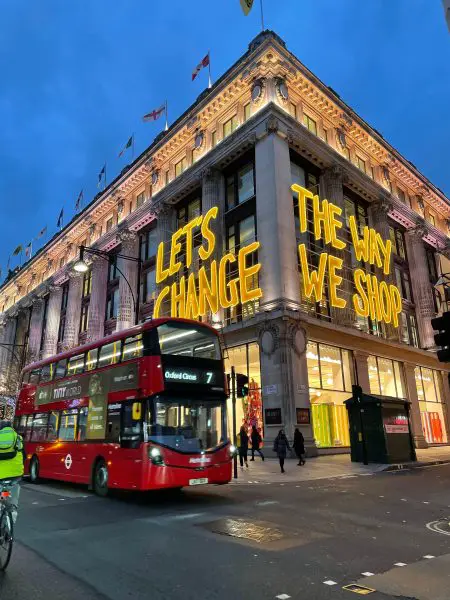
[
  {"x": 126, "y": 235},
  {"x": 382, "y": 205},
  {"x": 419, "y": 230}
]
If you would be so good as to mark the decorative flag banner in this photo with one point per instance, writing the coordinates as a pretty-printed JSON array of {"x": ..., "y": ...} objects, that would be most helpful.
[
  {"x": 28, "y": 250},
  {"x": 201, "y": 65},
  {"x": 79, "y": 201},
  {"x": 18, "y": 250},
  {"x": 42, "y": 232},
  {"x": 9, "y": 263},
  {"x": 129, "y": 144},
  {"x": 246, "y": 6},
  {"x": 60, "y": 219},
  {"x": 1, "y": 272},
  {"x": 155, "y": 114},
  {"x": 101, "y": 175}
]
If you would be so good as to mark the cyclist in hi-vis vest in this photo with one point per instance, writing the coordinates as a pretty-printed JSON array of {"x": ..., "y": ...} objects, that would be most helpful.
[{"x": 12, "y": 459}]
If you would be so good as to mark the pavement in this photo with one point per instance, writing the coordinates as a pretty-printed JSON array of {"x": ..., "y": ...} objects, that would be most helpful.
[{"x": 301, "y": 539}]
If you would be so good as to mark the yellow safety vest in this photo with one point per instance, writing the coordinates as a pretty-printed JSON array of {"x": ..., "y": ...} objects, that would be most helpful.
[{"x": 11, "y": 457}]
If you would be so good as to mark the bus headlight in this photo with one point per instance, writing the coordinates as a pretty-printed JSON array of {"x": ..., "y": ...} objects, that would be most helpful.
[
  {"x": 233, "y": 450},
  {"x": 155, "y": 456}
]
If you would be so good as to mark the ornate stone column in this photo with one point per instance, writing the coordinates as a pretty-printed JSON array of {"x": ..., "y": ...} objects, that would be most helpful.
[
  {"x": 166, "y": 226},
  {"x": 73, "y": 310},
  {"x": 416, "y": 421},
  {"x": 126, "y": 309},
  {"x": 421, "y": 287},
  {"x": 378, "y": 219},
  {"x": 362, "y": 370},
  {"x": 52, "y": 324},
  {"x": 97, "y": 305},
  {"x": 332, "y": 189},
  {"x": 36, "y": 323},
  {"x": 279, "y": 276},
  {"x": 6, "y": 352},
  {"x": 213, "y": 194},
  {"x": 284, "y": 377}
]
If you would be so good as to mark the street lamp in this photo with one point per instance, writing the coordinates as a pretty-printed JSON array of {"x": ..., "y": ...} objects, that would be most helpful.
[{"x": 81, "y": 267}]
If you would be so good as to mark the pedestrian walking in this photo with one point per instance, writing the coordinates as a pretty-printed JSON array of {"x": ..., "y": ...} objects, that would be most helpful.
[
  {"x": 281, "y": 446},
  {"x": 242, "y": 442},
  {"x": 256, "y": 441},
  {"x": 299, "y": 446}
]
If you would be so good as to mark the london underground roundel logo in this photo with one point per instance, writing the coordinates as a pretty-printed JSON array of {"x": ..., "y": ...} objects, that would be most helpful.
[{"x": 68, "y": 461}]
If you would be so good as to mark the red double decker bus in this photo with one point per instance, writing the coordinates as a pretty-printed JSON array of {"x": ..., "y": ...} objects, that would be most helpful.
[{"x": 141, "y": 409}]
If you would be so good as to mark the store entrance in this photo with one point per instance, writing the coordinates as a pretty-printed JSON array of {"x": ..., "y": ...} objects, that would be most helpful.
[{"x": 249, "y": 408}]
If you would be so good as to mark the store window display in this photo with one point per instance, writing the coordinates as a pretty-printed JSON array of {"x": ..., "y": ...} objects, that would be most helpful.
[
  {"x": 249, "y": 409},
  {"x": 385, "y": 377},
  {"x": 330, "y": 376},
  {"x": 430, "y": 402}
]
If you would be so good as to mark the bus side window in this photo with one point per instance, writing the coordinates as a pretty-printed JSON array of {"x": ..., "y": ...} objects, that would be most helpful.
[
  {"x": 82, "y": 423},
  {"x": 91, "y": 359},
  {"x": 47, "y": 373},
  {"x": 20, "y": 424},
  {"x": 27, "y": 428},
  {"x": 113, "y": 424},
  {"x": 53, "y": 423},
  {"x": 39, "y": 427},
  {"x": 61, "y": 368},
  {"x": 133, "y": 347},
  {"x": 109, "y": 354},
  {"x": 76, "y": 365},
  {"x": 34, "y": 376},
  {"x": 68, "y": 425}
]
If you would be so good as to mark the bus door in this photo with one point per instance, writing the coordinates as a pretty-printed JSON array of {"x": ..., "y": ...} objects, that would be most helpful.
[
  {"x": 64, "y": 455},
  {"x": 131, "y": 451}
]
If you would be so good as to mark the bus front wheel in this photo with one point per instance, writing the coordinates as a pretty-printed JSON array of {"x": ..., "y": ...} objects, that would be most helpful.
[
  {"x": 34, "y": 470},
  {"x": 101, "y": 478}
]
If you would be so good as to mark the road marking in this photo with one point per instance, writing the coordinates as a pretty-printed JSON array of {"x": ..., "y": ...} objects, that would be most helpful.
[
  {"x": 425, "y": 503},
  {"x": 358, "y": 589},
  {"x": 400, "y": 564},
  {"x": 429, "y": 556},
  {"x": 380, "y": 496},
  {"x": 367, "y": 574},
  {"x": 330, "y": 582},
  {"x": 282, "y": 597},
  {"x": 266, "y": 502},
  {"x": 183, "y": 517},
  {"x": 35, "y": 503},
  {"x": 61, "y": 499},
  {"x": 404, "y": 500},
  {"x": 434, "y": 526}
]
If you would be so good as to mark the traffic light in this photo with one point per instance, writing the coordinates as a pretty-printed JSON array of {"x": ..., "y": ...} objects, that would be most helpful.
[
  {"x": 442, "y": 338},
  {"x": 241, "y": 385}
]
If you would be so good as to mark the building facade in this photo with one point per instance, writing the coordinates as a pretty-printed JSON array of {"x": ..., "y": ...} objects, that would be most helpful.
[{"x": 273, "y": 211}]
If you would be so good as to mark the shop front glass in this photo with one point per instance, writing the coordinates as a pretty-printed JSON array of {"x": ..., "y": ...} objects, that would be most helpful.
[
  {"x": 430, "y": 402},
  {"x": 330, "y": 377},
  {"x": 385, "y": 377},
  {"x": 249, "y": 409}
]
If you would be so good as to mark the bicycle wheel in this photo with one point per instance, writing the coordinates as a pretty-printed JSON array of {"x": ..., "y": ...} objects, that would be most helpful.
[{"x": 6, "y": 537}]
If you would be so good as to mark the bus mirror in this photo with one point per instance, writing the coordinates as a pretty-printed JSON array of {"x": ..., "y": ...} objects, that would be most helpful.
[{"x": 136, "y": 411}]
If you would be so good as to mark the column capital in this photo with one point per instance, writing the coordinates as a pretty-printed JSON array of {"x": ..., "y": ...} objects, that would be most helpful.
[
  {"x": 361, "y": 355},
  {"x": 382, "y": 205},
  {"x": 419, "y": 230},
  {"x": 72, "y": 274},
  {"x": 334, "y": 172},
  {"x": 210, "y": 173},
  {"x": 126, "y": 235}
]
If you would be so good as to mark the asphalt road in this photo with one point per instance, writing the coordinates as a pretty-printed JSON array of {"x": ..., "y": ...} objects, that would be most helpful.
[{"x": 252, "y": 541}]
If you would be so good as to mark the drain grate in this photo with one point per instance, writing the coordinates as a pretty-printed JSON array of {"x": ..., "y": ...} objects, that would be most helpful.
[
  {"x": 255, "y": 531},
  {"x": 358, "y": 589}
]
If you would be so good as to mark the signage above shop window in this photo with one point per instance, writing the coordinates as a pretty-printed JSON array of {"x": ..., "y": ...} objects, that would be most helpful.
[
  {"x": 378, "y": 299},
  {"x": 272, "y": 416},
  {"x": 194, "y": 294}
]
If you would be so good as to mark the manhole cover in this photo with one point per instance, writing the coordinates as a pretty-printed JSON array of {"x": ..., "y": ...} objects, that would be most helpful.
[
  {"x": 256, "y": 531},
  {"x": 441, "y": 526},
  {"x": 358, "y": 589}
]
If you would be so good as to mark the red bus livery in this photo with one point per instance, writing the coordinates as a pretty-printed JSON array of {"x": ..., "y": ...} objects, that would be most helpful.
[{"x": 141, "y": 409}]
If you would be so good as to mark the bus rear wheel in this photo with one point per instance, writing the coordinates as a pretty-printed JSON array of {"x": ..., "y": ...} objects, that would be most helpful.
[
  {"x": 34, "y": 470},
  {"x": 101, "y": 478}
]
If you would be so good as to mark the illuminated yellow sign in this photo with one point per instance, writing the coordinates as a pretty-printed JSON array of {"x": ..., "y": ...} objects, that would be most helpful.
[
  {"x": 193, "y": 295},
  {"x": 379, "y": 300}
]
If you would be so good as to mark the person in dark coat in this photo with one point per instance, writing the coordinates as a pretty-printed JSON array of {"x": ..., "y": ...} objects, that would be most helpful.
[
  {"x": 256, "y": 441},
  {"x": 281, "y": 446},
  {"x": 299, "y": 446},
  {"x": 243, "y": 447}
]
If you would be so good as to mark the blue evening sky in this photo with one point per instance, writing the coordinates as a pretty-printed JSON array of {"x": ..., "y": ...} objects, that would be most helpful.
[{"x": 77, "y": 76}]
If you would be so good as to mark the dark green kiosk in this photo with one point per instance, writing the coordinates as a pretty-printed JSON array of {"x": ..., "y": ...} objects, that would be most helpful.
[{"x": 380, "y": 429}]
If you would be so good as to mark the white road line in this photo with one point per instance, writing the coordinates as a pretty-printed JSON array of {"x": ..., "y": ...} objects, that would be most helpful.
[
  {"x": 282, "y": 597},
  {"x": 330, "y": 582},
  {"x": 380, "y": 496},
  {"x": 425, "y": 503},
  {"x": 399, "y": 564},
  {"x": 183, "y": 517},
  {"x": 367, "y": 574},
  {"x": 403, "y": 499},
  {"x": 429, "y": 556},
  {"x": 266, "y": 502}
]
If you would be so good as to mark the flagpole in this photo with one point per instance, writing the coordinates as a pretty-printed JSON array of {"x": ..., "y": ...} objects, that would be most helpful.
[
  {"x": 262, "y": 15},
  {"x": 104, "y": 179},
  {"x": 209, "y": 70},
  {"x": 132, "y": 148},
  {"x": 167, "y": 119}
]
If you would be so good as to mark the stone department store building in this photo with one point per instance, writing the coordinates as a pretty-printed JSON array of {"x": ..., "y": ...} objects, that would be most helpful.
[{"x": 267, "y": 123}]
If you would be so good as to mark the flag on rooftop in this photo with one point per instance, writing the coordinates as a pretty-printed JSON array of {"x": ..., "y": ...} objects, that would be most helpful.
[
  {"x": 155, "y": 114},
  {"x": 201, "y": 65},
  {"x": 60, "y": 219},
  {"x": 18, "y": 250},
  {"x": 79, "y": 201},
  {"x": 101, "y": 175},
  {"x": 246, "y": 6},
  {"x": 28, "y": 250},
  {"x": 42, "y": 232},
  {"x": 129, "y": 144}
]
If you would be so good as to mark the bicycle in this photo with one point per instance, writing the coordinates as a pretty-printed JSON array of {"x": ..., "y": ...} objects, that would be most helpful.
[{"x": 6, "y": 524}]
